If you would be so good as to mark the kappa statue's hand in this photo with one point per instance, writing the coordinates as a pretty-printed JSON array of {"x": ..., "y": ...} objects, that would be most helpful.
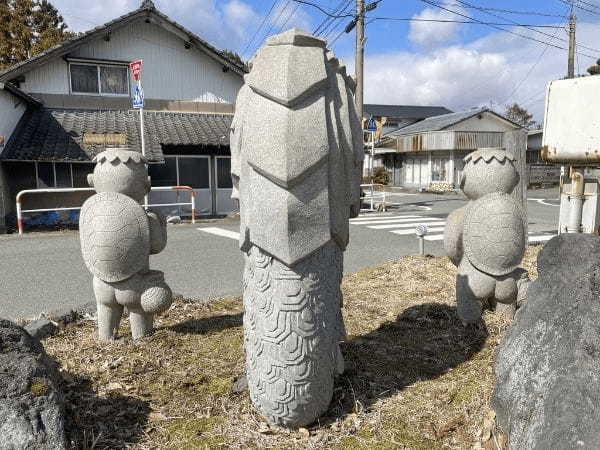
[{"x": 158, "y": 231}]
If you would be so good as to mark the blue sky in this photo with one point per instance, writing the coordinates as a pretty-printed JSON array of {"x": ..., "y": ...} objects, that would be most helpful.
[{"x": 455, "y": 65}]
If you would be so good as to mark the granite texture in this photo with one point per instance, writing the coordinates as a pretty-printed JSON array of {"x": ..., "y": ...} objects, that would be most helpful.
[
  {"x": 296, "y": 169},
  {"x": 547, "y": 367},
  {"x": 486, "y": 239},
  {"x": 32, "y": 414},
  {"x": 117, "y": 238}
]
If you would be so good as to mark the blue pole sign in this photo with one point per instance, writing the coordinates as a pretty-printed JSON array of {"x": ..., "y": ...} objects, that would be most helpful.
[
  {"x": 138, "y": 97},
  {"x": 371, "y": 124}
]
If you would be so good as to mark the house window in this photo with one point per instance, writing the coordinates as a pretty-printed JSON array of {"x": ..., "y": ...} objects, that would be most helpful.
[
  {"x": 99, "y": 79},
  {"x": 80, "y": 172},
  {"x": 181, "y": 171}
]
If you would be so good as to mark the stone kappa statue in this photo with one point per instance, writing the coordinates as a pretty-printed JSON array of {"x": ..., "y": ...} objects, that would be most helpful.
[
  {"x": 296, "y": 167},
  {"x": 486, "y": 238},
  {"x": 117, "y": 238}
]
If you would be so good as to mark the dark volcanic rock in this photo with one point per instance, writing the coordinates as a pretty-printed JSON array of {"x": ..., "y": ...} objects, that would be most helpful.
[
  {"x": 548, "y": 366},
  {"x": 31, "y": 406}
]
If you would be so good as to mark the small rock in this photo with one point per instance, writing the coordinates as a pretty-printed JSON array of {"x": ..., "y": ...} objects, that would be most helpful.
[
  {"x": 32, "y": 414},
  {"x": 240, "y": 385},
  {"x": 547, "y": 377},
  {"x": 41, "y": 328}
]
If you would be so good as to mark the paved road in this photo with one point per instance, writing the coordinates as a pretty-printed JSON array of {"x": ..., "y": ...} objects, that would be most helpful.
[{"x": 44, "y": 272}]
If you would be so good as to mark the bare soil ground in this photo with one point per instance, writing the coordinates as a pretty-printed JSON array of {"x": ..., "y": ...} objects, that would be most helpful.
[{"x": 415, "y": 378}]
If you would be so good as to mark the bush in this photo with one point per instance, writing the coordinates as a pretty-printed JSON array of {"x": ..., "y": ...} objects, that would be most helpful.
[{"x": 381, "y": 176}]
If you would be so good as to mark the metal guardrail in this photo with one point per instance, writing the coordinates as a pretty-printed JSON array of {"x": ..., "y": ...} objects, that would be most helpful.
[
  {"x": 373, "y": 196},
  {"x": 20, "y": 195}
]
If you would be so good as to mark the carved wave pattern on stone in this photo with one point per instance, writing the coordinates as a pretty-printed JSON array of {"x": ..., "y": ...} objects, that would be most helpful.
[{"x": 292, "y": 329}]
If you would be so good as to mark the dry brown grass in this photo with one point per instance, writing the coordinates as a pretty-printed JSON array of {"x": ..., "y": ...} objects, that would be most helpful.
[{"x": 415, "y": 379}]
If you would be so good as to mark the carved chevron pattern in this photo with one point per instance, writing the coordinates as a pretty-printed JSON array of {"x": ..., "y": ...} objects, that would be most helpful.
[{"x": 292, "y": 328}]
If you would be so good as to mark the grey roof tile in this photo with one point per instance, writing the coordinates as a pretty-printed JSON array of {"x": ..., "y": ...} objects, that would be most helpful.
[
  {"x": 442, "y": 122},
  {"x": 404, "y": 111},
  {"x": 57, "y": 134}
]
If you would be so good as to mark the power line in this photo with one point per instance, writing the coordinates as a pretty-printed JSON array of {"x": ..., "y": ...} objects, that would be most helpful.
[
  {"x": 502, "y": 29},
  {"x": 515, "y": 23},
  {"x": 325, "y": 22},
  {"x": 334, "y": 23},
  {"x": 512, "y": 11},
  {"x": 293, "y": 11},
  {"x": 580, "y": 7},
  {"x": 259, "y": 28},
  {"x": 529, "y": 72},
  {"x": 474, "y": 21},
  {"x": 323, "y": 10},
  {"x": 532, "y": 27}
]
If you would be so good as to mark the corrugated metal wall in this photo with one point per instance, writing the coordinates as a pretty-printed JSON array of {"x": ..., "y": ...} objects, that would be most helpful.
[
  {"x": 171, "y": 72},
  {"x": 446, "y": 140}
]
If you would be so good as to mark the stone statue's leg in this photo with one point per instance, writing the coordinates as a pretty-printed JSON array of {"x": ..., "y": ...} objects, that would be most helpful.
[
  {"x": 142, "y": 324},
  {"x": 506, "y": 289},
  {"x": 472, "y": 288},
  {"x": 292, "y": 330},
  {"x": 109, "y": 312}
]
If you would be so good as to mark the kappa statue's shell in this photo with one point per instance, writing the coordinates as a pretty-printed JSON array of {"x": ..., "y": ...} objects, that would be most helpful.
[
  {"x": 494, "y": 234},
  {"x": 115, "y": 236}
]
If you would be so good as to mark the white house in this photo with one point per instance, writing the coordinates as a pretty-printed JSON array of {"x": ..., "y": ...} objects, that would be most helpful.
[
  {"x": 61, "y": 107},
  {"x": 432, "y": 150}
]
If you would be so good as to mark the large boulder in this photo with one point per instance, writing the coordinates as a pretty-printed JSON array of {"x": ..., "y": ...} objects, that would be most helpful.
[
  {"x": 31, "y": 406},
  {"x": 548, "y": 366}
]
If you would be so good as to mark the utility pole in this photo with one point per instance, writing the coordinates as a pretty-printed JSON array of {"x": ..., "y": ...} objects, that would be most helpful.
[
  {"x": 571, "y": 63},
  {"x": 577, "y": 174},
  {"x": 360, "y": 56}
]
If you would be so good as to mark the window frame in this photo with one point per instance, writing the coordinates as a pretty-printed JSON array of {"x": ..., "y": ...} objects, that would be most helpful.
[{"x": 98, "y": 79}]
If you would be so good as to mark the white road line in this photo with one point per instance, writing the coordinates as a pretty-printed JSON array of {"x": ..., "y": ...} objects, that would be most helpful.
[
  {"x": 541, "y": 238},
  {"x": 542, "y": 201},
  {"x": 415, "y": 220},
  {"x": 221, "y": 232},
  {"x": 434, "y": 237},
  {"x": 367, "y": 217},
  {"x": 409, "y": 232},
  {"x": 431, "y": 223}
]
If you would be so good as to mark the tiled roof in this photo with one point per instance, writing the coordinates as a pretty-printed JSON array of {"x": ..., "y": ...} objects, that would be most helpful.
[
  {"x": 19, "y": 93},
  {"x": 404, "y": 111},
  {"x": 442, "y": 122},
  {"x": 58, "y": 135},
  {"x": 146, "y": 10}
]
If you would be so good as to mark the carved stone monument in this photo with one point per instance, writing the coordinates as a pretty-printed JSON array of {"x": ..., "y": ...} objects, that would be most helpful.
[
  {"x": 547, "y": 393},
  {"x": 117, "y": 238},
  {"x": 486, "y": 239},
  {"x": 296, "y": 167}
]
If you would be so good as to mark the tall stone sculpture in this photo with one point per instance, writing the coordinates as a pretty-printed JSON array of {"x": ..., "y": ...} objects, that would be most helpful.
[
  {"x": 296, "y": 166},
  {"x": 486, "y": 238},
  {"x": 117, "y": 238}
]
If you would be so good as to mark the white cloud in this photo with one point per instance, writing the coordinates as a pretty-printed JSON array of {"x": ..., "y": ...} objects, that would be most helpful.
[
  {"x": 499, "y": 68},
  {"x": 225, "y": 24},
  {"x": 432, "y": 34}
]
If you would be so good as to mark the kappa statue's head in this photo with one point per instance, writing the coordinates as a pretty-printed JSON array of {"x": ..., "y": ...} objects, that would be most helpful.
[
  {"x": 121, "y": 171},
  {"x": 488, "y": 170}
]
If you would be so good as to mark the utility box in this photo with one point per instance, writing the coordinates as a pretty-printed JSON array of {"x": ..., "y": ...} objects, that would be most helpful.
[
  {"x": 572, "y": 123},
  {"x": 590, "y": 217}
]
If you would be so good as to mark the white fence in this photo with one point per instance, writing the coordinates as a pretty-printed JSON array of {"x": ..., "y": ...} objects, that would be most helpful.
[
  {"x": 21, "y": 194},
  {"x": 372, "y": 195}
]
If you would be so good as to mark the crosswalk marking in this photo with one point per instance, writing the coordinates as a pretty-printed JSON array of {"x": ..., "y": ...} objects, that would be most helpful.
[
  {"x": 541, "y": 237},
  {"x": 413, "y": 225},
  {"x": 434, "y": 237},
  {"x": 364, "y": 218},
  {"x": 221, "y": 232},
  {"x": 379, "y": 222},
  {"x": 412, "y": 231},
  {"x": 404, "y": 225}
]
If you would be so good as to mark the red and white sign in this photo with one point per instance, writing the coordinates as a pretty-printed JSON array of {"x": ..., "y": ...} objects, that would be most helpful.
[{"x": 136, "y": 69}]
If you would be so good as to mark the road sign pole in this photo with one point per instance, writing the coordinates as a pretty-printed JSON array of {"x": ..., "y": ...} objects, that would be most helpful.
[{"x": 142, "y": 124}]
